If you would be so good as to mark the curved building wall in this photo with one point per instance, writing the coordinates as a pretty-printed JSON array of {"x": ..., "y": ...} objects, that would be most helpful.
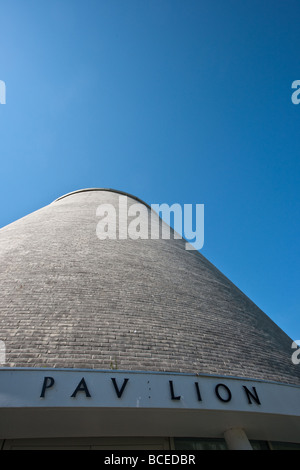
[{"x": 70, "y": 300}]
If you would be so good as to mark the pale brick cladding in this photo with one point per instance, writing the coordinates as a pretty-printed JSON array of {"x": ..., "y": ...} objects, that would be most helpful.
[{"x": 70, "y": 300}]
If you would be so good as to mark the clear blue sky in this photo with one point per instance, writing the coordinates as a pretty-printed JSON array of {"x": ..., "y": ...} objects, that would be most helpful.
[{"x": 184, "y": 101}]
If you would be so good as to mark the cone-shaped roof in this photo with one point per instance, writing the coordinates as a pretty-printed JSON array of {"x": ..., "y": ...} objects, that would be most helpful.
[{"x": 71, "y": 300}]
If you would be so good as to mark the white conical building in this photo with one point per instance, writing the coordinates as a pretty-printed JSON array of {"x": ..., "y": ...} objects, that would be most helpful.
[{"x": 122, "y": 343}]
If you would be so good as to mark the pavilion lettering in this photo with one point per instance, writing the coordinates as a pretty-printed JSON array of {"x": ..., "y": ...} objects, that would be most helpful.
[{"x": 119, "y": 388}]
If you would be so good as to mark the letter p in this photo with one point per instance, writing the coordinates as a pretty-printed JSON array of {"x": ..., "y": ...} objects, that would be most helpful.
[{"x": 48, "y": 382}]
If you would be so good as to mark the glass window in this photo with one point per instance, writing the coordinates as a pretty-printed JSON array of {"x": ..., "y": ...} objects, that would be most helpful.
[
  {"x": 284, "y": 446},
  {"x": 259, "y": 445},
  {"x": 193, "y": 443}
]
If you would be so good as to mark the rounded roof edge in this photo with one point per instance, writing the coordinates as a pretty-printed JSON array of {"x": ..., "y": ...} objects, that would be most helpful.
[{"x": 124, "y": 193}]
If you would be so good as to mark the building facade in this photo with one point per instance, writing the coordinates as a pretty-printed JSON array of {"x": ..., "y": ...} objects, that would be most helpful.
[{"x": 133, "y": 344}]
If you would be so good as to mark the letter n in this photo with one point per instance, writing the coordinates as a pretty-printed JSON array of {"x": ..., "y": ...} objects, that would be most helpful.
[{"x": 251, "y": 395}]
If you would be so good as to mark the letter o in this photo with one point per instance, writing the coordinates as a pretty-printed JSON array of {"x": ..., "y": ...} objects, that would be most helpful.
[{"x": 225, "y": 400}]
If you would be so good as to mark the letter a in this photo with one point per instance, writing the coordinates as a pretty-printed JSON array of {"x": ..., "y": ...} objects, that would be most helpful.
[{"x": 81, "y": 387}]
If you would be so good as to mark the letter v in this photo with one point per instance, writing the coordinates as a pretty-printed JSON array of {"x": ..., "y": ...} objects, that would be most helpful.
[{"x": 119, "y": 392}]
